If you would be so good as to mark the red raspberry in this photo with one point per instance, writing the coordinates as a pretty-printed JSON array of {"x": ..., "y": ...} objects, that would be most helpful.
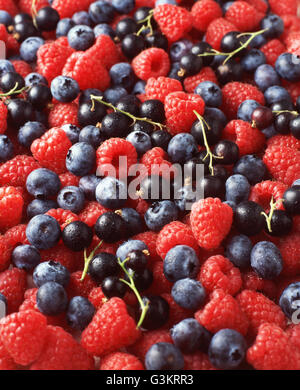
[
  {"x": 294, "y": 335},
  {"x": 293, "y": 88},
  {"x": 87, "y": 70},
  {"x": 155, "y": 160},
  {"x": 216, "y": 31},
  {"x": 172, "y": 234},
  {"x": 272, "y": 350},
  {"x": 160, "y": 284},
  {"x": 9, "y": 6},
  {"x": 251, "y": 281},
  {"x": 176, "y": 312},
  {"x": 6, "y": 362},
  {"x": 105, "y": 49},
  {"x": 243, "y": 15},
  {"x": 235, "y": 93},
  {"x": 219, "y": 272},
  {"x": 66, "y": 8},
  {"x": 259, "y": 309},
  {"x": 12, "y": 44},
  {"x": 22, "y": 67},
  {"x": 62, "y": 114},
  {"x": 147, "y": 339},
  {"x": 111, "y": 329},
  {"x": 197, "y": 361},
  {"x": 62, "y": 352},
  {"x": 179, "y": 107},
  {"x": 173, "y": 21},
  {"x": 5, "y": 253},
  {"x": 204, "y": 12},
  {"x": 3, "y": 117},
  {"x": 260, "y": 5},
  {"x": 159, "y": 88},
  {"x": 96, "y": 297},
  {"x": 120, "y": 361},
  {"x": 51, "y": 149},
  {"x": 222, "y": 311},
  {"x": 109, "y": 152},
  {"x": 16, "y": 235},
  {"x": 23, "y": 335},
  {"x": 272, "y": 50},
  {"x": 289, "y": 247},
  {"x": 153, "y": 62},
  {"x": 283, "y": 7},
  {"x": 15, "y": 171},
  {"x": 3, "y": 33},
  {"x": 139, "y": 204},
  {"x": 52, "y": 56},
  {"x": 63, "y": 217},
  {"x": 205, "y": 74},
  {"x": 78, "y": 287},
  {"x": 68, "y": 179},
  {"x": 63, "y": 255},
  {"x": 12, "y": 286},
  {"x": 26, "y": 5},
  {"x": 210, "y": 221},
  {"x": 91, "y": 212},
  {"x": 249, "y": 140},
  {"x": 284, "y": 141},
  {"x": 263, "y": 192},
  {"x": 11, "y": 207},
  {"x": 149, "y": 238}
]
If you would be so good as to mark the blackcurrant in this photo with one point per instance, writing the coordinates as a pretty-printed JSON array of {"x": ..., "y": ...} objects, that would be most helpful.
[
  {"x": 132, "y": 45},
  {"x": 11, "y": 80},
  {"x": 191, "y": 64},
  {"x": 154, "y": 110},
  {"x": 103, "y": 265},
  {"x": 39, "y": 96},
  {"x": 157, "y": 314},
  {"x": 248, "y": 218},
  {"x": 262, "y": 117},
  {"x": 212, "y": 187},
  {"x": 110, "y": 227},
  {"x": 282, "y": 122},
  {"x": 113, "y": 287},
  {"x": 228, "y": 150},
  {"x": 200, "y": 48},
  {"x": 137, "y": 260},
  {"x": 126, "y": 26},
  {"x": 47, "y": 19},
  {"x": 157, "y": 40},
  {"x": 115, "y": 124},
  {"x": 291, "y": 200},
  {"x": 281, "y": 223},
  {"x": 295, "y": 127},
  {"x": 77, "y": 236},
  {"x": 89, "y": 115},
  {"x": 19, "y": 112},
  {"x": 161, "y": 139}
]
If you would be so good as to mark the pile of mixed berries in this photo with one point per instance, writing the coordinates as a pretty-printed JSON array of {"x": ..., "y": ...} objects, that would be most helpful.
[{"x": 92, "y": 278}]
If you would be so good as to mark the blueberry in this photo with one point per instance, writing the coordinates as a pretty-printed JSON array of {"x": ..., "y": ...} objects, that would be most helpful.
[
  {"x": 77, "y": 236},
  {"x": 288, "y": 67},
  {"x": 122, "y": 75},
  {"x": 101, "y": 12},
  {"x": 214, "y": 114},
  {"x": 182, "y": 147},
  {"x": 51, "y": 299},
  {"x": 253, "y": 59},
  {"x": 111, "y": 193},
  {"x": 40, "y": 206},
  {"x": 273, "y": 24},
  {"x": 237, "y": 188},
  {"x": 123, "y": 6},
  {"x": 134, "y": 223},
  {"x": 290, "y": 299},
  {"x": 160, "y": 214},
  {"x": 175, "y": 69},
  {"x": 6, "y": 148},
  {"x": 179, "y": 49},
  {"x": 82, "y": 17},
  {"x": 6, "y": 66},
  {"x": 238, "y": 251},
  {"x": 80, "y": 158},
  {"x": 25, "y": 257},
  {"x": 43, "y": 183},
  {"x": 64, "y": 89},
  {"x": 189, "y": 336},
  {"x": 88, "y": 185},
  {"x": 104, "y": 29},
  {"x": 258, "y": 41},
  {"x": 79, "y": 313},
  {"x": 114, "y": 94},
  {"x": 161, "y": 2},
  {"x": 246, "y": 109},
  {"x": 5, "y": 18},
  {"x": 227, "y": 349},
  {"x": 266, "y": 260},
  {"x": 85, "y": 96},
  {"x": 3, "y": 306},
  {"x": 184, "y": 197},
  {"x": 81, "y": 37},
  {"x": 139, "y": 87},
  {"x": 103, "y": 265},
  {"x": 164, "y": 356},
  {"x": 276, "y": 94},
  {"x": 265, "y": 77},
  {"x": 210, "y": 92},
  {"x": 252, "y": 167},
  {"x": 71, "y": 198},
  {"x": 43, "y": 231},
  {"x": 63, "y": 27},
  {"x": 181, "y": 262},
  {"x": 296, "y": 183},
  {"x": 29, "y": 48},
  {"x": 188, "y": 293},
  {"x": 51, "y": 271},
  {"x": 140, "y": 140},
  {"x": 129, "y": 246},
  {"x": 92, "y": 135},
  {"x": 72, "y": 132},
  {"x": 29, "y": 132}
]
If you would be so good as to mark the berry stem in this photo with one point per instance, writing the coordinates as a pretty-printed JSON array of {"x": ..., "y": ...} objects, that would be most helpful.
[
  {"x": 13, "y": 91},
  {"x": 134, "y": 118},
  {"x": 87, "y": 260},
  {"x": 34, "y": 12},
  {"x": 284, "y": 111},
  {"x": 148, "y": 24},
  {"x": 131, "y": 285},
  {"x": 271, "y": 212}
]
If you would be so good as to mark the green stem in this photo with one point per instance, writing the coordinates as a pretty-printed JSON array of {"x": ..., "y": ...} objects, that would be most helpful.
[
  {"x": 34, "y": 13},
  {"x": 88, "y": 259},
  {"x": 131, "y": 285},
  {"x": 134, "y": 118},
  {"x": 13, "y": 91},
  {"x": 148, "y": 24},
  {"x": 284, "y": 111},
  {"x": 271, "y": 212}
]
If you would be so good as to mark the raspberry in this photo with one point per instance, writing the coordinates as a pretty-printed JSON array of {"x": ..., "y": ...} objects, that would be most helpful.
[
  {"x": 260, "y": 5},
  {"x": 179, "y": 107},
  {"x": 159, "y": 88},
  {"x": 62, "y": 352},
  {"x": 289, "y": 247},
  {"x": 172, "y": 234},
  {"x": 12, "y": 286},
  {"x": 51, "y": 149},
  {"x": 249, "y": 140},
  {"x": 96, "y": 297},
  {"x": 197, "y": 361},
  {"x": 284, "y": 141},
  {"x": 63, "y": 255},
  {"x": 91, "y": 212},
  {"x": 155, "y": 160},
  {"x": 151, "y": 62},
  {"x": 263, "y": 192},
  {"x": 205, "y": 74},
  {"x": 216, "y": 31},
  {"x": 243, "y": 15},
  {"x": 147, "y": 339},
  {"x": 204, "y": 12},
  {"x": 78, "y": 287},
  {"x": 87, "y": 70},
  {"x": 210, "y": 222},
  {"x": 139, "y": 204},
  {"x": 12, "y": 44},
  {"x": 149, "y": 238},
  {"x": 62, "y": 114},
  {"x": 173, "y": 21},
  {"x": 52, "y": 56},
  {"x": 66, "y": 8},
  {"x": 219, "y": 272},
  {"x": 293, "y": 88},
  {"x": 22, "y": 67},
  {"x": 16, "y": 235},
  {"x": 120, "y": 361},
  {"x": 160, "y": 284},
  {"x": 63, "y": 217},
  {"x": 6, "y": 361},
  {"x": 11, "y": 207},
  {"x": 9, "y": 6},
  {"x": 111, "y": 329},
  {"x": 176, "y": 312},
  {"x": 251, "y": 281},
  {"x": 5, "y": 253},
  {"x": 259, "y": 309},
  {"x": 23, "y": 335},
  {"x": 294, "y": 335},
  {"x": 68, "y": 179},
  {"x": 26, "y": 5},
  {"x": 284, "y": 7},
  {"x": 3, "y": 33},
  {"x": 109, "y": 152},
  {"x": 105, "y": 49},
  {"x": 235, "y": 93},
  {"x": 15, "y": 171},
  {"x": 272, "y": 350},
  {"x": 222, "y": 311},
  {"x": 272, "y": 50}
]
